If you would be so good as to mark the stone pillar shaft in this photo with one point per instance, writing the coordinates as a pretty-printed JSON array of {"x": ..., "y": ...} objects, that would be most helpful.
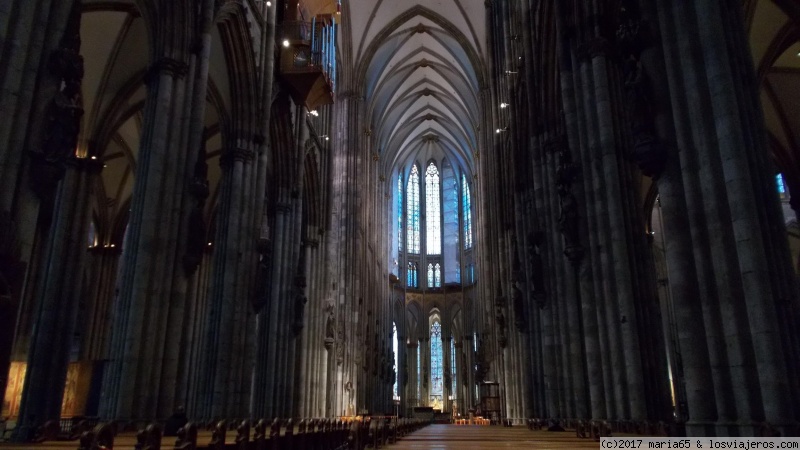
[{"x": 57, "y": 300}]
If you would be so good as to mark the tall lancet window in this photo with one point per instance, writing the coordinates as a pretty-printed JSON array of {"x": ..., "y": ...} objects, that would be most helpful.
[
  {"x": 411, "y": 275},
  {"x": 430, "y": 276},
  {"x": 467, "y": 212},
  {"x": 434, "y": 275},
  {"x": 412, "y": 209},
  {"x": 453, "y": 366},
  {"x": 396, "y": 359},
  {"x": 433, "y": 206},
  {"x": 400, "y": 212},
  {"x": 436, "y": 364},
  {"x": 781, "y": 185}
]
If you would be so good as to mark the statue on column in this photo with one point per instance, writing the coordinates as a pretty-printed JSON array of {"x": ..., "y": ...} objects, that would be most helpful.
[
  {"x": 196, "y": 230},
  {"x": 340, "y": 342},
  {"x": 566, "y": 173},
  {"x": 300, "y": 285},
  {"x": 517, "y": 298},
  {"x": 633, "y": 37},
  {"x": 264, "y": 245},
  {"x": 500, "y": 319},
  {"x": 535, "y": 241},
  {"x": 63, "y": 116},
  {"x": 330, "y": 325}
]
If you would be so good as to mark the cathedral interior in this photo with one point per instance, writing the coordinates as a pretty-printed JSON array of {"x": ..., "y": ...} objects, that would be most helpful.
[{"x": 515, "y": 209}]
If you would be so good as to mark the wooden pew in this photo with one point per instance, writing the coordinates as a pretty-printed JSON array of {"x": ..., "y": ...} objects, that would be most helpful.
[{"x": 187, "y": 437}]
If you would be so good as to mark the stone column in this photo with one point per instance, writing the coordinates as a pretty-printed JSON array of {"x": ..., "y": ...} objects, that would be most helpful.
[
  {"x": 57, "y": 299},
  {"x": 28, "y": 84},
  {"x": 43, "y": 53},
  {"x": 740, "y": 173},
  {"x": 103, "y": 260},
  {"x": 225, "y": 314},
  {"x": 694, "y": 364},
  {"x": 141, "y": 381}
]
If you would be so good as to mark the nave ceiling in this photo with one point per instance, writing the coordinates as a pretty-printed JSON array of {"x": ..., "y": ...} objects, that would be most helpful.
[
  {"x": 115, "y": 50},
  {"x": 422, "y": 66}
]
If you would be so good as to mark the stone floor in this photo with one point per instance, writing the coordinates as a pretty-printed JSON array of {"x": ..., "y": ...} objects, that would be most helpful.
[
  {"x": 433, "y": 437},
  {"x": 446, "y": 437}
]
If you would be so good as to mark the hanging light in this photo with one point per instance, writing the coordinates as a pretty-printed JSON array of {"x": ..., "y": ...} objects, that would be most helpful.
[{"x": 286, "y": 43}]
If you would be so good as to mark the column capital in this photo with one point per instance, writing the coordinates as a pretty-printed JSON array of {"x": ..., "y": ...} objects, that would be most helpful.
[
  {"x": 168, "y": 66},
  {"x": 234, "y": 154}
]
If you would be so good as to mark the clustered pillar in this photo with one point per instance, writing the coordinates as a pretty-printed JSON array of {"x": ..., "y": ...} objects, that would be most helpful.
[{"x": 661, "y": 98}]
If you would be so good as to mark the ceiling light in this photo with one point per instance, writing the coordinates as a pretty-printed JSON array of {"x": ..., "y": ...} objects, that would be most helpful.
[
  {"x": 94, "y": 157},
  {"x": 503, "y": 105},
  {"x": 269, "y": 4},
  {"x": 314, "y": 112},
  {"x": 285, "y": 42}
]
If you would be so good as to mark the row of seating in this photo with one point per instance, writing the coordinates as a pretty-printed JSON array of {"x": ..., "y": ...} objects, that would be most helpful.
[
  {"x": 313, "y": 434},
  {"x": 376, "y": 432},
  {"x": 595, "y": 429}
]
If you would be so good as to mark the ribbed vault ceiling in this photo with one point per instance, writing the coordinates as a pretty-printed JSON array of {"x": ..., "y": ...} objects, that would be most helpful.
[
  {"x": 114, "y": 47},
  {"x": 421, "y": 66},
  {"x": 775, "y": 45}
]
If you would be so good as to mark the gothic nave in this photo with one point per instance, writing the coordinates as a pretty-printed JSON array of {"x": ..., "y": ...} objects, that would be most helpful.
[{"x": 563, "y": 210}]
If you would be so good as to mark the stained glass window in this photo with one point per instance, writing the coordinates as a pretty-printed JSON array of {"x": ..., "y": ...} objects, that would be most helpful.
[
  {"x": 412, "y": 209},
  {"x": 436, "y": 360},
  {"x": 430, "y": 276},
  {"x": 396, "y": 365},
  {"x": 453, "y": 366},
  {"x": 400, "y": 212},
  {"x": 437, "y": 275},
  {"x": 781, "y": 185},
  {"x": 419, "y": 371},
  {"x": 433, "y": 206},
  {"x": 467, "y": 212},
  {"x": 411, "y": 275}
]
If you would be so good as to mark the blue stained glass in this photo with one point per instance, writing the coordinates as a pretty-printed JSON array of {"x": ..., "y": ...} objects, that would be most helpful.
[
  {"x": 411, "y": 275},
  {"x": 467, "y": 212},
  {"x": 396, "y": 365},
  {"x": 400, "y": 212},
  {"x": 453, "y": 366},
  {"x": 412, "y": 208},
  {"x": 437, "y": 275},
  {"x": 781, "y": 184},
  {"x": 436, "y": 359},
  {"x": 430, "y": 276},
  {"x": 433, "y": 206}
]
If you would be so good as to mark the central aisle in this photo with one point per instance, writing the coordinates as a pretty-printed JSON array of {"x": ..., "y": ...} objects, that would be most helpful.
[{"x": 441, "y": 437}]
